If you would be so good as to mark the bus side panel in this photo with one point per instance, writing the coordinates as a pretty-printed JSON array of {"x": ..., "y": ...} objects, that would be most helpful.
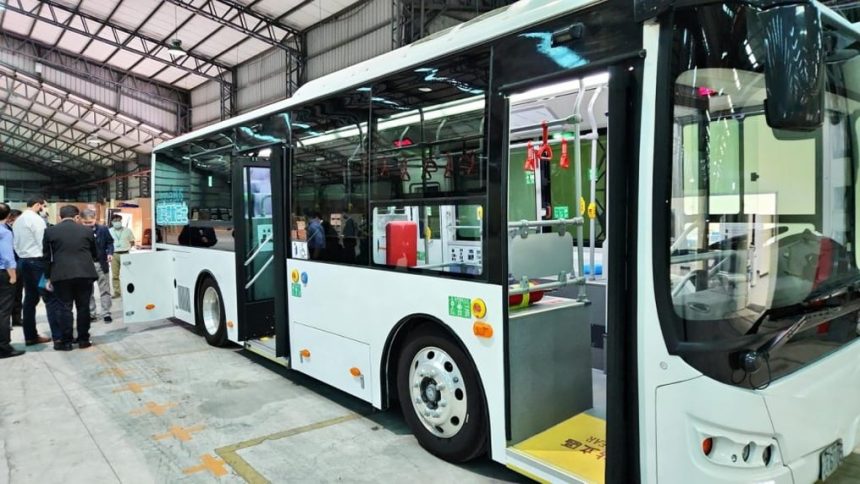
[
  {"x": 192, "y": 263},
  {"x": 142, "y": 275},
  {"x": 364, "y": 305}
]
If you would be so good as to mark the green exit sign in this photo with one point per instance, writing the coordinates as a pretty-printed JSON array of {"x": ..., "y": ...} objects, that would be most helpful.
[
  {"x": 560, "y": 212},
  {"x": 460, "y": 307}
]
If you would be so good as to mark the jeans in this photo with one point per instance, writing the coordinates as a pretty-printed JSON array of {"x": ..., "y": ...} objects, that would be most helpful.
[
  {"x": 30, "y": 272},
  {"x": 7, "y": 293},
  {"x": 104, "y": 293},
  {"x": 75, "y": 292}
]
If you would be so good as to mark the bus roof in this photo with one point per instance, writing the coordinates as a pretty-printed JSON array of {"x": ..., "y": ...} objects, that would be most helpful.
[{"x": 483, "y": 29}]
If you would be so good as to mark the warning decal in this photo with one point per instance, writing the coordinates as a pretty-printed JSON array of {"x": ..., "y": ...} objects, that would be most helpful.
[{"x": 577, "y": 446}]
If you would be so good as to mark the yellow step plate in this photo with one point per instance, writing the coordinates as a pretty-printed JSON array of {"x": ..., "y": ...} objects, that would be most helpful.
[{"x": 576, "y": 446}]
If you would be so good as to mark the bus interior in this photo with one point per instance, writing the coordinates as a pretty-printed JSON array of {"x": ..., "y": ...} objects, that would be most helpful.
[{"x": 557, "y": 283}]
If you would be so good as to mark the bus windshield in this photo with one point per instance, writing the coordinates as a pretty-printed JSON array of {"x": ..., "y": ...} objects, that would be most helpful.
[{"x": 762, "y": 227}]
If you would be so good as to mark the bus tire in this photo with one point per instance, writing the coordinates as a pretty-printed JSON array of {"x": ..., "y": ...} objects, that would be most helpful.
[
  {"x": 441, "y": 397},
  {"x": 210, "y": 316}
]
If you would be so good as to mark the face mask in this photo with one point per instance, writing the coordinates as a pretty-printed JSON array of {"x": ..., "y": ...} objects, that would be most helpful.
[{"x": 117, "y": 225}]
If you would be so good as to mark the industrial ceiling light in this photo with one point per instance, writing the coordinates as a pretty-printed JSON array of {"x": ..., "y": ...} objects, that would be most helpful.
[
  {"x": 93, "y": 140},
  {"x": 174, "y": 48},
  {"x": 57, "y": 160}
]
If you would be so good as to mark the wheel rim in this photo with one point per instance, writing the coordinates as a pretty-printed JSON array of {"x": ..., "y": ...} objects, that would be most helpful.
[
  {"x": 211, "y": 309},
  {"x": 438, "y": 392}
]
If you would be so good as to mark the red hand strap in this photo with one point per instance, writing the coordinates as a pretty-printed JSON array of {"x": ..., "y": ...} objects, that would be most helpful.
[
  {"x": 564, "y": 162},
  {"x": 545, "y": 150},
  {"x": 530, "y": 158}
]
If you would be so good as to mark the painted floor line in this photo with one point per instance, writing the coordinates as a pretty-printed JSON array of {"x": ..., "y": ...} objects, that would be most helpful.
[{"x": 231, "y": 456}]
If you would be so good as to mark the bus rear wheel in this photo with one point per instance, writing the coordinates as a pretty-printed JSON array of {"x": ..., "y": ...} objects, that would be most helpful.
[
  {"x": 210, "y": 316},
  {"x": 441, "y": 397}
]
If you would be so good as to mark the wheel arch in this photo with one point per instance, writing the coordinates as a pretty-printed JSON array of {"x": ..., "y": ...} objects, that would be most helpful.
[
  {"x": 203, "y": 275},
  {"x": 398, "y": 336}
]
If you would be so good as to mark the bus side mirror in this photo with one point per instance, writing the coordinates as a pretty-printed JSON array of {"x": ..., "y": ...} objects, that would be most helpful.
[{"x": 794, "y": 66}]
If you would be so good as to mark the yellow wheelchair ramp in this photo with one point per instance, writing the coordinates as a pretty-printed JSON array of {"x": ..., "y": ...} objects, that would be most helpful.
[{"x": 575, "y": 448}]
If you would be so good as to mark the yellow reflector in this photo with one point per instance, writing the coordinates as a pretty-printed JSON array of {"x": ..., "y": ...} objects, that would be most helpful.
[
  {"x": 479, "y": 308},
  {"x": 482, "y": 330}
]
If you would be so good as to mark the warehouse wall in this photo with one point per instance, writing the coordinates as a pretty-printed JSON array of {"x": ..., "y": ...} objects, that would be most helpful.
[
  {"x": 21, "y": 183},
  {"x": 356, "y": 35}
]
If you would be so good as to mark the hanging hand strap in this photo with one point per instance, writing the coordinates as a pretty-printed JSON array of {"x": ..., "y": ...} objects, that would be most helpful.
[
  {"x": 530, "y": 158},
  {"x": 564, "y": 162},
  {"x": 545, "y": 150}
]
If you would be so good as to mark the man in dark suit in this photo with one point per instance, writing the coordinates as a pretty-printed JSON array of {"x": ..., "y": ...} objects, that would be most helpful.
[{"x": 69, "y": 250}]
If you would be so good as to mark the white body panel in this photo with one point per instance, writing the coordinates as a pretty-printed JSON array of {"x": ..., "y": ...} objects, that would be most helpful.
[
  {"x": 142, "y": 275},
  {"x": 188, "y": 263},
  {"x": 365, "y": 305},
  {"x": 330, "y": 358}
]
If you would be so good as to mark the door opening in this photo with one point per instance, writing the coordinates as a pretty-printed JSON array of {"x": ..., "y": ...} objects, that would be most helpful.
[{"x": 557, "y": 284}]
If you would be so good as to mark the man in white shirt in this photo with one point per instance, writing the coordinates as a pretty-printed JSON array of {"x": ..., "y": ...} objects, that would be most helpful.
[{"x": 29, "y": 229}]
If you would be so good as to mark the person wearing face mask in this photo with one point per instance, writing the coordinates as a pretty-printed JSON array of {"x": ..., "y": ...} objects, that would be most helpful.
[
  {"x": 123, "y": 241},
  {"x": 29, "y": 230},
  {"x": 104, "y": 245}
]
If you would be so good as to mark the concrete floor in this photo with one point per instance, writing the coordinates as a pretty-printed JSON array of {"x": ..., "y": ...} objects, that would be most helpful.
[{"x": 155, "y": 403}]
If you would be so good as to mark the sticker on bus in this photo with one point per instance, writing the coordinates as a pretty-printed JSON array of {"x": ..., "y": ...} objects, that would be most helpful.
[{"x": 460, "y": 307}]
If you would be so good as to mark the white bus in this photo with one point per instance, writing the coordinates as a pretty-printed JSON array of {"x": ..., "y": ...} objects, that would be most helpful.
[{"x": 600, "y": 241}]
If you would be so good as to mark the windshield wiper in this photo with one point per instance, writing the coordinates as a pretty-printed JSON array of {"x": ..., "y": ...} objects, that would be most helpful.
[{"x": 752, "y": 360}]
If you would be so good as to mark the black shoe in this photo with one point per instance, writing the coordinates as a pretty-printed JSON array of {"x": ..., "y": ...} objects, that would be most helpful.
[
  {"x": 93, "y": 319},
  {"x": 84, "y": 344},
  {"x": 63, "y": 347},
  {"x": 108, "y": 319},
  {"x": 11, "y": 354}
]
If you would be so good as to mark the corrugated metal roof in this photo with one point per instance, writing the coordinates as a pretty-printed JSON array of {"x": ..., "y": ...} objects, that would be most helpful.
[{"x": 104, "y": 126}]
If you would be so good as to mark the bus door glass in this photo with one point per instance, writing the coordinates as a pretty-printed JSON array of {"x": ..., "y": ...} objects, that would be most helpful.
[{"x": 255, "y": 241}]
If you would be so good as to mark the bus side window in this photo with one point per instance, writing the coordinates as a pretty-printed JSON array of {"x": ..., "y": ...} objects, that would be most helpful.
[{"x": 329, "y": 178}]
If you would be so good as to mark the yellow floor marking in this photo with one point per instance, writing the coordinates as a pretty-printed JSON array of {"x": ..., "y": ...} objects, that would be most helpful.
[
  {"x": 576, "y": 446},
  {"x": 154, "y": 408},
  {"x": 180, "y": 433},
  {"x": 208, "y": 463},
  {"x": 117, "y": 372},
  {"x": 132, "y": 387},
  {"x": 240, "y": 466}
]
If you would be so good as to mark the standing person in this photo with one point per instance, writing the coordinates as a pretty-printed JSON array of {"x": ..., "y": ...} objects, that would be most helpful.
[
  {"x": 316, "y": 236},
  {"x": 123, "y": 241},
  {"x": 8, "y": 278},
  {"x": 29, "y": 229},
  {"x": 17, "y": 302},
  {"x": 70, "y": 252},
  {"x": 104, "y": 245}
]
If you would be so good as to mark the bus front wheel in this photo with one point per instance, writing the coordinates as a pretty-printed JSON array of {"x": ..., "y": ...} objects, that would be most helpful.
[
  {"x": 210, "y": 317},
  {"x": 441, "y": 397}
]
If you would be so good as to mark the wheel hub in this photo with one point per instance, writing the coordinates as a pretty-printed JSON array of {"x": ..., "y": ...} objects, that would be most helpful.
[
  {"x": 211, "y": 309},
  {"x": 438, "y": 392}
]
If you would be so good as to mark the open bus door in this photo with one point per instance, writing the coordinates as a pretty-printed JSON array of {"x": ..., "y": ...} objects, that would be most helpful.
[{"x": 255, "y": 209}]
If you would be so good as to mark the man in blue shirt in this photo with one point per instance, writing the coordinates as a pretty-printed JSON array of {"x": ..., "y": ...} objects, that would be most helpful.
[
  {"x": 8, "y": 279},
  {"x": 316, "y": 236}
]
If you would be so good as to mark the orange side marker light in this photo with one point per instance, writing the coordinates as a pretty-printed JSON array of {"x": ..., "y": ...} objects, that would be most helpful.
[
  {"x": 355, "y": 372},
  {"x": 482, "y": 330},
  {"x": 150, "y": 307}
]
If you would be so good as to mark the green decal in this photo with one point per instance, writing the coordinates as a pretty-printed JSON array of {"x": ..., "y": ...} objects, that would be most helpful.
[
  {"x": 560, "y": 212},
  {"x": 530, "y": 178},
  {"x": 460, "y": 307},
  {"x": 297, "y": 290},
  {"x": 420, "y": 255}
]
